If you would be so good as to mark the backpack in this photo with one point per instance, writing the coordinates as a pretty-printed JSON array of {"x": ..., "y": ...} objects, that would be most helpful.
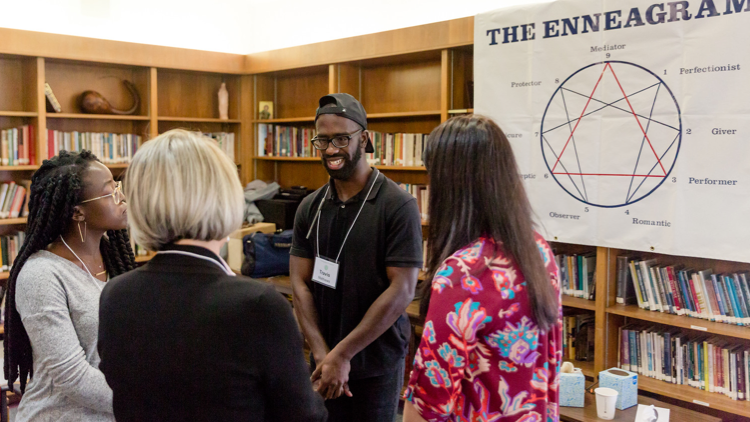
[{"x": 266, "y": 255}]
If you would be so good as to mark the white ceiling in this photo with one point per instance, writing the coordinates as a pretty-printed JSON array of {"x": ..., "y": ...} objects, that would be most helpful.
[{"x": 232, "y": 26}]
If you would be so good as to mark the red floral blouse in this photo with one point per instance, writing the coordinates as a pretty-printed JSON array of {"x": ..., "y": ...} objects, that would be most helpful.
[{"x": 482, "y": 357}]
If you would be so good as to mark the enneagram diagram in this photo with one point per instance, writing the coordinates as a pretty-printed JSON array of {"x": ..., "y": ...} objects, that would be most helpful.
[{"x": 611, "y": 133}]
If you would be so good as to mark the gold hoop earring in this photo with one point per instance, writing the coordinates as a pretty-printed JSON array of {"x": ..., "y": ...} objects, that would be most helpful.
[{"x": 82, "y": 233}]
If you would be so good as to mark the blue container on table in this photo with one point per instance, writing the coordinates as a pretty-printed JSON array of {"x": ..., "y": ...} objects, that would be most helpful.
[
  {"x": 624, "y": 382},
  {"x": 572, "y": 388}
]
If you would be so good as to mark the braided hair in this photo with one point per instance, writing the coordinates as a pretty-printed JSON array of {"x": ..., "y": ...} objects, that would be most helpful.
[{"x": 56, "y": 188}]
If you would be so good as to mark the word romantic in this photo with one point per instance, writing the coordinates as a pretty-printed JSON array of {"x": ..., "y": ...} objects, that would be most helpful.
[{"x": 654, "y": 14}]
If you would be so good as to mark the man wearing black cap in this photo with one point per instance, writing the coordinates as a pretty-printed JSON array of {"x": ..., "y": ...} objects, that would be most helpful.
[{"x": 356, "y": 255}]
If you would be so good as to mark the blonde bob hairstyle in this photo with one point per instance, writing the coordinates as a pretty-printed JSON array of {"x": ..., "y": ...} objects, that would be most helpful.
[{"x": 180, "y": 185}]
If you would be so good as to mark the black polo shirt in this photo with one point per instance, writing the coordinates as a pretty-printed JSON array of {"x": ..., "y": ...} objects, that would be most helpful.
[{"x": 388, "y": 233}]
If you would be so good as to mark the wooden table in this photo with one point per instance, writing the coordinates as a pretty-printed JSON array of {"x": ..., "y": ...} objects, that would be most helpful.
[{"x": 588, "y": 412}]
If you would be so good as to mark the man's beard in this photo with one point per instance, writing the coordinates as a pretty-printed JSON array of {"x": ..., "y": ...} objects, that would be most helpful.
[{"x": 347, "y": 170}]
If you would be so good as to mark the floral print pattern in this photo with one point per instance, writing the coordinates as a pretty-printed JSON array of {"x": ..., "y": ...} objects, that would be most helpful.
[{"x": 481, "y": 357}]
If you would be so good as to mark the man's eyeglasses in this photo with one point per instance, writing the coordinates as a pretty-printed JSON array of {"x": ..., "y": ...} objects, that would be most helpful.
[
  {"x": 117, "y": 195},
  {"x": 340, "y": 141}
]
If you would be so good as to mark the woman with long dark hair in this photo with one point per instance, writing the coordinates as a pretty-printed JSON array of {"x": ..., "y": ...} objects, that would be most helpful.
[
  {"x": 491, "y": 344},
  {"x": 76, "y": 239}
]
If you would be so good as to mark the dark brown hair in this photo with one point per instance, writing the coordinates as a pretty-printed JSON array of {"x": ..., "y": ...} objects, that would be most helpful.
[{"x": 476, "y": 190}]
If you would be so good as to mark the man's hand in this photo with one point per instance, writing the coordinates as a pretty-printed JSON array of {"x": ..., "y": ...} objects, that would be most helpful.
[{"x": 331, "y": 376}]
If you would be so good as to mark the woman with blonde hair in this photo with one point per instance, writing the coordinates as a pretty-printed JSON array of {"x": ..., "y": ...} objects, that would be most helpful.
[{"x": 182, "y": 338}]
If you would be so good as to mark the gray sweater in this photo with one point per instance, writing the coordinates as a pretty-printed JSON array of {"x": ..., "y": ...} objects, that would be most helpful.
[{"x": 59, "y": 305}]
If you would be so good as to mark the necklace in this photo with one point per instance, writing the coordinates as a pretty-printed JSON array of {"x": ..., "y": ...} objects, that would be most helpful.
[{"x": 81, "y": 261}]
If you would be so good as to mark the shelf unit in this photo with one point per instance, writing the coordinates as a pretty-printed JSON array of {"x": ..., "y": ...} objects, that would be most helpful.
[{"x": 168, "y": 98}]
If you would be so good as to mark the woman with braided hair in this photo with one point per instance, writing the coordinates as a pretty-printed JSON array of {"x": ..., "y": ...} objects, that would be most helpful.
[{"x": 76, "y": 240}]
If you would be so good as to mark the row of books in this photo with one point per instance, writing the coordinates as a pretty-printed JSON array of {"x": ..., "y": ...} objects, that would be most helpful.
[
  {"x": 225, "y": 141},
  {"x": 676, "y": 290},
  {"x": 708, "y": 363},
  {"x": 579, "y": 337},
  {"x": 110, "y": 148},
  {"x": 285, "y": 141},
  {"x": 9, "y": 246},
  {"x": 14, "y": 199},
  {"x": 397, "y": 149},
  {"x": 391, "y": 149},
  {"x": 578, "y": 275},
  {"x": 17, "y": 146},
  {"x": 422, "y": 194}
]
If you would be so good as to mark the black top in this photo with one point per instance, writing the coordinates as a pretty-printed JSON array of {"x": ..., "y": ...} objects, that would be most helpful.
[
  {"x": 388, "y": 233},
  {"x": 181, "y": 340}
]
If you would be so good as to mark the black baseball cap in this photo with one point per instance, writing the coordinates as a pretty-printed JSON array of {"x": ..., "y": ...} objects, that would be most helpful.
[{"x": 345, "y": 106}]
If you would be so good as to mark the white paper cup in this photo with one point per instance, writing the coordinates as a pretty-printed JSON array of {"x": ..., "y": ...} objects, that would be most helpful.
[{"x": 606, "y": 398}]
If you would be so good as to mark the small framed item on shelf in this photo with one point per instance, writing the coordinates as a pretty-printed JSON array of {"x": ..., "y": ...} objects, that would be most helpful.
[{"x": 265, "y": 110}]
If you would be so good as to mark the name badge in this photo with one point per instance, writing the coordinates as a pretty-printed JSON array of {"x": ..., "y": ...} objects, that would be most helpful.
[{"x": 325, "y": 272}]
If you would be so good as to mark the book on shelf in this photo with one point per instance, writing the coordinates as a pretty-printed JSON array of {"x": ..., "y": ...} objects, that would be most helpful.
[
  {"x": 422, "y": 194},
  {"x": 14, "y": 198},
  {"x": 673, "y": 289},
  {"x": 285, "y": 141},
  {"x": 53, "y": 106},
  {"x": 109, "y": 148},
  {"x": 579, "y": 337},
  {"x": 397, "y": 149},
  {"x": 709, "y": 363},
  {"x": 9, "y": 246},
  {"x": 18, "y": 146},
  {"x": 625, "y": 287},
  {"x": 225, "y": 140},
  {"x": 578, "y": 274}
]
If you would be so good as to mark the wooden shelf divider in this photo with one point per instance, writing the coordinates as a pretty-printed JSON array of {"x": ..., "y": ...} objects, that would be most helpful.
[
  {"x": 694, "y": 395},
  {"x": 18, "y": 114},
  {"x": 306, "y": 119},
  {"x": 96, "y": 116},
  {"x": 682, "y": 321},
  {"x": 287, "y": 158},
  {"x": 401, "y": 168},
  {"x": 403, "y": 114},
  {"x": 19, "y": 168},
  {"x": 579, "y": 303},
  {"x": 12, "y": 221},
  {"x": 198, "y": 120}
]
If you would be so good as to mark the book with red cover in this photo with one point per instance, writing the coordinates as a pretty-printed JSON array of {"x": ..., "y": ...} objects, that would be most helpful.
[
  {"x": 50, "y": 143},
  {"x": 18, "y": 198}
]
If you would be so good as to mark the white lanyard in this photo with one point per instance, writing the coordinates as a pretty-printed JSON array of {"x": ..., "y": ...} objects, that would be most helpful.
[
  {"x": 82, "y": 263},
  {"x": 364, "y": 201},
  {"x": 221, "y": 263}
]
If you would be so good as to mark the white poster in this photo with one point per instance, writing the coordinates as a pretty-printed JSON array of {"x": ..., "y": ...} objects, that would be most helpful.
[{"x": 630, "y": 120}]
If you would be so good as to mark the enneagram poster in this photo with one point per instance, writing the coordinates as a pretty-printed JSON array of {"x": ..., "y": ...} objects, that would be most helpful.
[{"x": 630, "y": 121}]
